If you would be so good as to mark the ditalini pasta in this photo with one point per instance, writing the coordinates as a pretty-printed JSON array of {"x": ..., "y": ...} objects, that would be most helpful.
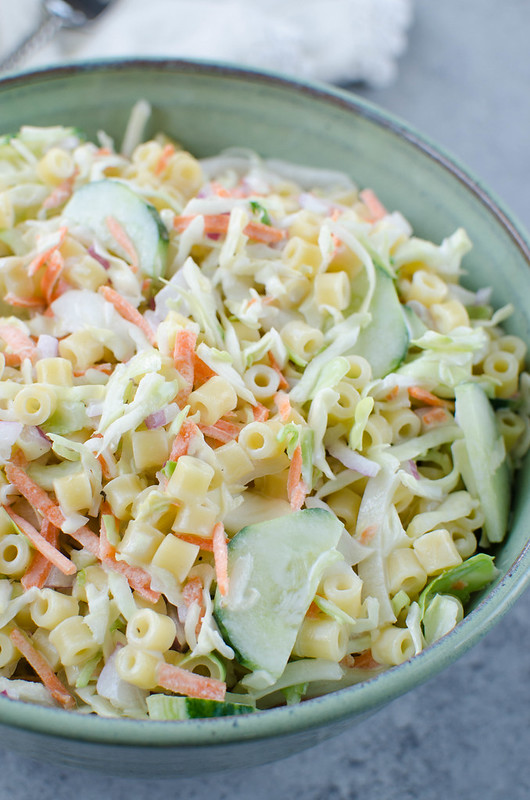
[{"x": 255, "y": 437}]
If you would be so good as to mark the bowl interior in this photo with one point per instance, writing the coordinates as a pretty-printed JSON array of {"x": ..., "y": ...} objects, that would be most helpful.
[{"x": 208, "y": 108}]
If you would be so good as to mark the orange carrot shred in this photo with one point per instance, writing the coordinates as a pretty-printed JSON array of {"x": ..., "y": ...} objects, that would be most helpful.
[
  {"x": 41, "y": 258},
  {"x": 182, "y": 440},
  {"x": 181, "y": 681},
  {"x": 261, "y": 413},
  {"x": 128, "y": 312},
  {"x": 44, "y": 547},
  {"x": 274, "y": 364},
  {"x": 296, "y": 488},
  {"x": 222, "y": 431},
  {"x": 163, "y": 161},
  {"x": 48, "y": 677},
  {"x": 54, "y": 267},
  {"x": 435, "y": 416},
  {"x": 192, "y": 593},
  {"x": 183, "y": 357},
  {"x": 201, "y": 541},
  {"x": 137, "y": 577},
  {"x": 373, "y": 204},
  {"x": 23, "y": 302},
  {"x": 39, "y": 568},
  {"x": 220, "y": 554},
  {"x": 428, "y": 398},
  {"x": 368, "y": 534},
  {"x": 61, "y": 193},
  {"x": 36, "y": 497},
  {"x": 118, "y": 232},
  {"x": 218, "y": 224},
  {"x": 201, "y": 371},
  {"x": 19, "y": 342},
  {"x": 283, "y": 404},
  {"x": 365, "y": 660}
]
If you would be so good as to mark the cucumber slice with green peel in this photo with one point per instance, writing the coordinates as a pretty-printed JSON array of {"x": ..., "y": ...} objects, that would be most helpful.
[
  {"x": 482, "y": 459},
  {"x": 384, "y": 341},
  {"x": 94, "y": 203},
  {"x": 169, "y": 707},
  {"x": 274, "y": 569}
]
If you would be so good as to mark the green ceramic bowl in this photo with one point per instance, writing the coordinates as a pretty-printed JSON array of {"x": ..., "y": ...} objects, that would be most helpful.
[{"x": 207, "y": 108}]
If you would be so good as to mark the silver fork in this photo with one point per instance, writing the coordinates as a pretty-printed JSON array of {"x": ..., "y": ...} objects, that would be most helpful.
[{"x": 56, "y": 14}]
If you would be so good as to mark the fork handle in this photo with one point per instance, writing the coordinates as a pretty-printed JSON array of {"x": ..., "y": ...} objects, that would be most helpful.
[{"x": 44, "y": 33}]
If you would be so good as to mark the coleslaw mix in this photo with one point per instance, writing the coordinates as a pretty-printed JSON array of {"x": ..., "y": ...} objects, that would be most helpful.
[{"x": 255, "y": 437}]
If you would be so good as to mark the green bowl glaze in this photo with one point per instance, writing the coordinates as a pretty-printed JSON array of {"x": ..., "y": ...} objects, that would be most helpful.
[{"x": 208, "y": 107}]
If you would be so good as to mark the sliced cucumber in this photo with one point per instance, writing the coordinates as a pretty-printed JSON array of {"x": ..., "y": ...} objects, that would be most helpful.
[
  {"x": 385, "y": 340},
  {"x": 482, "y": 459},
  {"x": 168, "y": 707},
  {"x": 93, "y": 203},
  {"x": 274, "y": 570}
]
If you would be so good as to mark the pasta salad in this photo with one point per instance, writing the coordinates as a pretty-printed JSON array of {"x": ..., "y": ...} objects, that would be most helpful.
[{"x": 255, "y": 437}]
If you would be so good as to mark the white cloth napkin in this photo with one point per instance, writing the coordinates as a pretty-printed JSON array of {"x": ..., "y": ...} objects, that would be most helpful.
[{"x": 338, "y": 41}]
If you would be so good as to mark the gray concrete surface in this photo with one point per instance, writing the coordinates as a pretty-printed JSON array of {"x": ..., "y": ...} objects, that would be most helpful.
[{"x": 465, "y": 735}]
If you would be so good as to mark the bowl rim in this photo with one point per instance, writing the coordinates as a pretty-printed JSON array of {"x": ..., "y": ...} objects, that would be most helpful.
[{"x": 360, "y": 699}]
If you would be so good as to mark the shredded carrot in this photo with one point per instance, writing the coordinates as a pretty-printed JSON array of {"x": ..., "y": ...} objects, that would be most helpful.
[
  {"x": 193, "y": 593},
  {"x": 220, "y": 555},
  {"x": 118, "y": 232},
  {"x": 44, "y": 547},
  {"x": 54, "y": 267},
  {"x": 283, "y": 404},
  {"x": 392, "y": 394},
  {"x": 365, "y": 660},
  {"x": 105, "y": 368},
  {"x": 61, "y": 193},
  {"x": 218, "y": 223},
  {"x": 373, "y": 204},
  {"x": 183, "y": 357},
  {"x": 181, "y": 681},
  {"x": 201, "y": 541},
  {"x": 428, "y": 398},
  {"x": 163, "y": 161},
  {"x": 368, "y": 534},
  {"x": 39, "y": 260},
  {"x": 274, "y": 364},
  {"x": 435, "y": 416},
  {"x": 182, "y": 440},
  {"x": 220, "y": 190},
  {"x": 19, "y": 342},
  {"x": 87, "y": 539},
  {"x": 128, "y": 312},
  {"x": 296, "y": 488},
  {"x": 138, "y": 578},
  {"x": 48, "y": 677},
  {"x": 313, "y": 612},
  {"x": 261, "y": 413},
  {"x": 22, "y": 302},
  {"x": 36, "y": 497},
  {"x": 222, "y": 431},
  {"x": 201, "y": 371},
  {"x": 39, "y": 568}
]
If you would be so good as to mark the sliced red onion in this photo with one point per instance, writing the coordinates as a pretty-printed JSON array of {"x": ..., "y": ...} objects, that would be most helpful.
[
  {"x": 57, "y": 580},
  {"x": 414, "y": 470},
  {"x": 47, "y": 346},
  {"x": 113, "y": 688},
  {"x": 163, "y": 417},
  {"x": 33, "y": 435},
  {"x": 353, "y": 460},
  {"x": 105, "y": 263},
  {"x": 214, "y": 236},
  {"x": 156, "y": 420}
]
